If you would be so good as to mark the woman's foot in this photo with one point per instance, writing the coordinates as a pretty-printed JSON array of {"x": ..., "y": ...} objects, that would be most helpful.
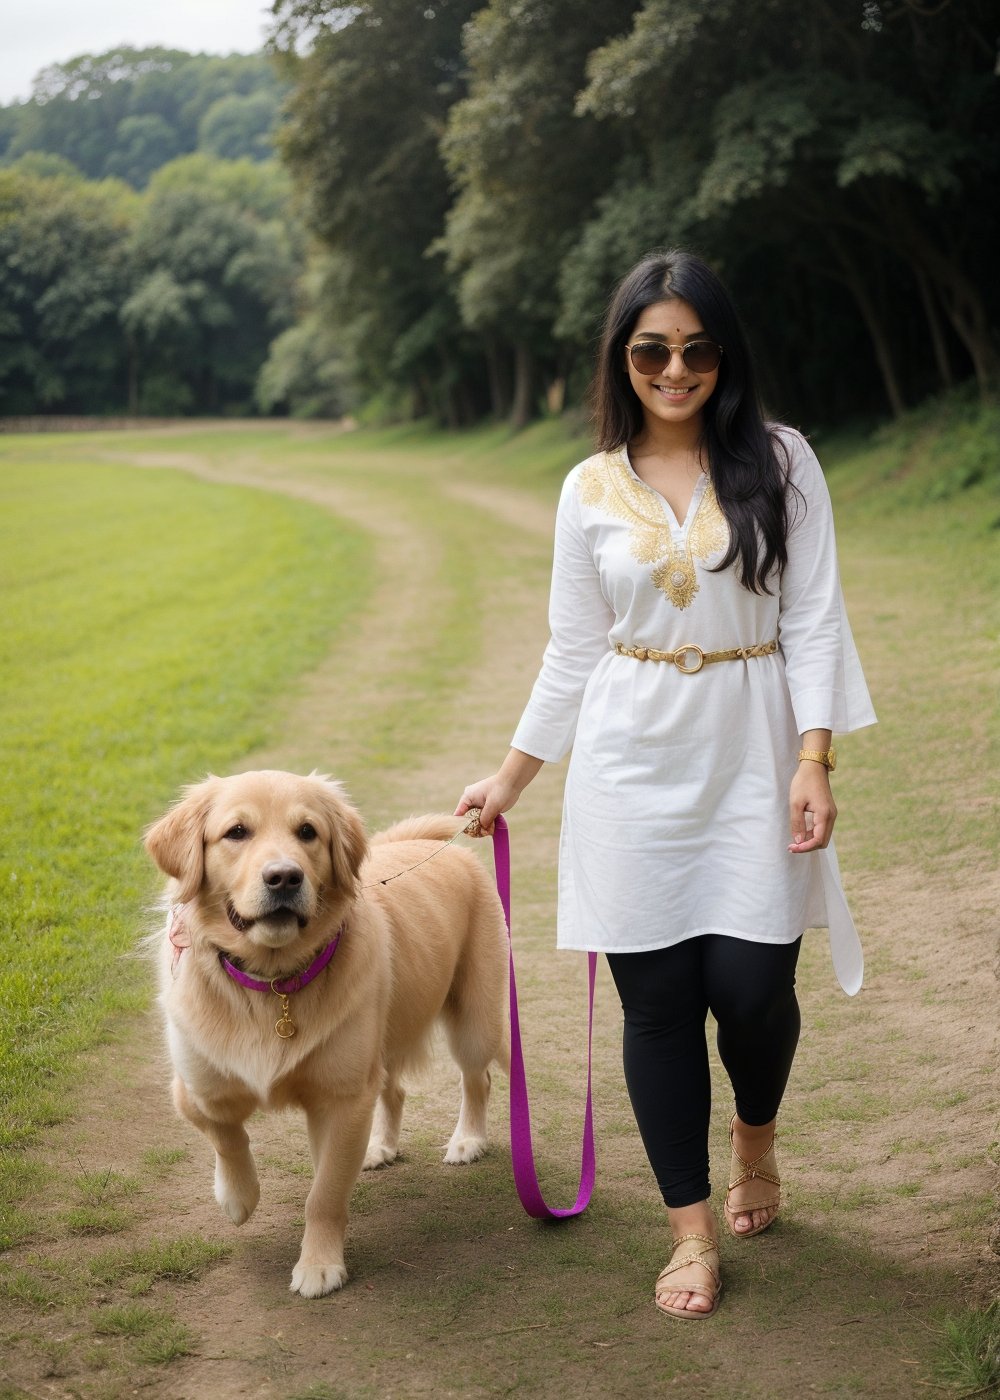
[
  {"x": 691, "y": 1287},
  {"x": 754, "y": 1193}
]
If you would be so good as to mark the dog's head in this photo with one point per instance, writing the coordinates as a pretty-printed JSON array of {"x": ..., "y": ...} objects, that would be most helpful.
[{"x": 267, "y": 856}]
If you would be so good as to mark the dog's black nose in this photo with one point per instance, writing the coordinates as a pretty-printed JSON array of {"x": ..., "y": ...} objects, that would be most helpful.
[{"x": 282, "y": 875}]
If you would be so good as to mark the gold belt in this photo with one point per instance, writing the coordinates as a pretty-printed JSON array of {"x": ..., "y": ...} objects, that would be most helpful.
[{"x": 701, "y": 658}]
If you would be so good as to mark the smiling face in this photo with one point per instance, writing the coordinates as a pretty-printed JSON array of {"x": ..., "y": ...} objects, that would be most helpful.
[
  {"x": 267, "y": 848},
  {"x": 676, "y": 395},
  {"x": 269, "y": 857}
]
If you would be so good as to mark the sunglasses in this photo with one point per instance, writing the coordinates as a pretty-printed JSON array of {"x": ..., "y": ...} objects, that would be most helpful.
[{"x": 651, "y": 357}]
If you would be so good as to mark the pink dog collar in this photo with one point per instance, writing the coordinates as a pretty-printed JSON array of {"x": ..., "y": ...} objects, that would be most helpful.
[
  {"x": 285, "y": 1027},
  {"x": 289, "y": 984}
]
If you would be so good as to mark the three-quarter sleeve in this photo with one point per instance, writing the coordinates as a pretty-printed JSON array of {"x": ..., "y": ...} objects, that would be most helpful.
[
  {"x": 580, "y": 619},
  {"x": 822, "y": 667}
]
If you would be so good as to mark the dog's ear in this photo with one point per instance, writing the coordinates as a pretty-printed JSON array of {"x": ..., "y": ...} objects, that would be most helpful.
[
  {"x": 177, "y": 841},
  {"x": 348, "y": 838}
]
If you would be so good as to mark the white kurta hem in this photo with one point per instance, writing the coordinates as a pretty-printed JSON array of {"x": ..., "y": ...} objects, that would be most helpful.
[{"x": 675, "y": 816}]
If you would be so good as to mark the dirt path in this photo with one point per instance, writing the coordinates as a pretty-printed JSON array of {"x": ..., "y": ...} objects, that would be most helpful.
[{"x": 886, "y": 1130}]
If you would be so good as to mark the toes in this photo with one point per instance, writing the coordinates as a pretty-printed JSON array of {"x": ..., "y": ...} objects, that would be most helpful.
[
  {"x": 316, "y": 1280},
  {"x": 687, "y": 1302},
  {"x": 377, "y": 1156},
  {"x": 462, "y": 1150}
]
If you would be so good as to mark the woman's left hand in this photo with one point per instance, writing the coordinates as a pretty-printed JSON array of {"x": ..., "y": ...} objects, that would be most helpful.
[{"x": 813, "y": 810}]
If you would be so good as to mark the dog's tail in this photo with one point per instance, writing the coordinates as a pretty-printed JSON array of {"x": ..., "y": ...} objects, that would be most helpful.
[{"x": 436, "y": 827}]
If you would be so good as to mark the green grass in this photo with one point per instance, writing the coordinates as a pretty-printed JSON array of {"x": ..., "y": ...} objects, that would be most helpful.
[
  {"x": 155, "y": 1337},
  {"x": 929, "y": 553},
  {"x": 150, "y": 621},
  {"x": 969, "y": 1350},
  {"x": 126, "y": 1320},
  {"x": 161, "y": 1159},
  {"x": 138, "y": 1268},
  {"x": 97, "y": 1220}
]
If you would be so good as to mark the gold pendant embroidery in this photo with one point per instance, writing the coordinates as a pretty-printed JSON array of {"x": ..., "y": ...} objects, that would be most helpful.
[{"x": 608, "y": 484}]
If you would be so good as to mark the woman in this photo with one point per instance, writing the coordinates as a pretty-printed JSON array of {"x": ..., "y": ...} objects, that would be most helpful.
[{"x": 699, "y": 661}]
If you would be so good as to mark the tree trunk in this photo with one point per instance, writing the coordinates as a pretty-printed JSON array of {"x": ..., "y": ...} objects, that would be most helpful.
[
  {"x": 499, "y": 379},
  {"x": 522, "y": 408},
  {"x": 958, "y": 294},
  {"x": 133, "y": 376},
  {"x": 966, "y": 312},
  {"x": 422, "y": 397},
  {"x": 873, "y": 323},
  {"x": 938, "y": 341}
]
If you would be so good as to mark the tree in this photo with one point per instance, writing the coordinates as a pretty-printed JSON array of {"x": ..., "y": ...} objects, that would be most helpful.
[
  {"x": 76, "y": 107},
  {"x": 128, "y": 111},
  {"x": 362, "y": 137},
  {"x": 240, "y": 127},
  {"x": 854, "y": 154},
  {"x": 63, "y": 273},
  {"x": 527, "y": 172},
  {"x": 215, "y": 260},
  {"x": 142, "y": 145},
  {"x": 304, "y": 373}
]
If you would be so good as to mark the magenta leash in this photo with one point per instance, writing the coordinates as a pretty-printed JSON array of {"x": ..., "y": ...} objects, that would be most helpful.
[{"x": 522, "y": 1156}]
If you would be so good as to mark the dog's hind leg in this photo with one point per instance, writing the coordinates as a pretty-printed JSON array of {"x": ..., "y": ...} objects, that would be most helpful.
[
  {"x": 475, "y": 1042},
  {"x": 237, "y": 1189},
  {"x": 474, "y": 1023},
  {"x": 383, "y": 1145},
  {"x": 468, "y": 1141}
]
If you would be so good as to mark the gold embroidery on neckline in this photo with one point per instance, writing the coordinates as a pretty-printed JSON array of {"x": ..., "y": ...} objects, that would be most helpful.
[{"x": 607, "y": 484}]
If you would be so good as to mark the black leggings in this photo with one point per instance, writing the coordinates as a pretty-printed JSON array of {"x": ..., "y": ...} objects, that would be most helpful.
[{"x": 665, "y": 995}]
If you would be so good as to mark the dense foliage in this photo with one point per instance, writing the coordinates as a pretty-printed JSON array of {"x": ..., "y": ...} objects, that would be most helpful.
[
  {"x": 833, "y": 160},
  {"x": 162, "y": 302},
  {"x": 475, "y": 177},
  {"x": 127, "y": 112},
  {"x": 149, "y": 250}
]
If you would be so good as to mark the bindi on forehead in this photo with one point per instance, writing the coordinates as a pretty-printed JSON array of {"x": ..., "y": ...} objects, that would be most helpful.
[{"x": 669, "y": 333}]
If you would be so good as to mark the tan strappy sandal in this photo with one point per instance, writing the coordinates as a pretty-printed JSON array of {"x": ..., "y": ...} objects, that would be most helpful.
[
  {"x": 679, "y": 1259},
  {"x": 763, "y": 1168}
]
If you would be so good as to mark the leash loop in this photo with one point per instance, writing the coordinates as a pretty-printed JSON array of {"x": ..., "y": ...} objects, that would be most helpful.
[{"x": 522, "y": 1156}]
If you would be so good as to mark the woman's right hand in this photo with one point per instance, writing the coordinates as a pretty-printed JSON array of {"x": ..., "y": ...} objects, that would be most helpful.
[
  {"x": 500, "y": 791},
  {"x": 492, "y": 796}
]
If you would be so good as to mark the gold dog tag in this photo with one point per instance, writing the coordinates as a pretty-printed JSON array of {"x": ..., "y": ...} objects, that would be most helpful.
[{"x": 285, "y": 1028}]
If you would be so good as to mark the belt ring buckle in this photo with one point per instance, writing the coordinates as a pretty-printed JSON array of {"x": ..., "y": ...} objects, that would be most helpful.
[{"x": 681, "y": 652}]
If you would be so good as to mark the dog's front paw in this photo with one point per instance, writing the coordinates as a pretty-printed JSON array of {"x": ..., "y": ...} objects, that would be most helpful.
[
  {"x": 378, "y": 1155},
  {"x": 462, "y": 1150},
  {"x": 315, "y": 1280},
  {"x": 237, "y": 1192}
]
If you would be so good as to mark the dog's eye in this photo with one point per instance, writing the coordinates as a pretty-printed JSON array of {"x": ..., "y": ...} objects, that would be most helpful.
[
  {"x": 237, "y": 833},
  {"x": 307, "y": 832}
]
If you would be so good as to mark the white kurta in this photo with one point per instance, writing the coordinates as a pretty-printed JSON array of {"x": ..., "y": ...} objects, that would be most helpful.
[{"x": 675, "y": 817}]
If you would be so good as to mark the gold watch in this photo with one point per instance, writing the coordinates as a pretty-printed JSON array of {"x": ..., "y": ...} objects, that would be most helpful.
[{"x": 828, "y": 757}]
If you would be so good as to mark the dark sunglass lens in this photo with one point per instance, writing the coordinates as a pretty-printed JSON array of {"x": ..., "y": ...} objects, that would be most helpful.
[
  {"x": 702, "y": 356},
  {"x": 650, "y": 358}
]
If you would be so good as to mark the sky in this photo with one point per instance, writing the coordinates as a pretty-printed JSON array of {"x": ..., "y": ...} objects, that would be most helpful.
[{"x": 36, "y": 33}]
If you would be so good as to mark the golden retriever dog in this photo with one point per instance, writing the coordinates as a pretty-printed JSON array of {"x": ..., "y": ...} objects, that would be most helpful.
[{"x": 267, "y": 871}]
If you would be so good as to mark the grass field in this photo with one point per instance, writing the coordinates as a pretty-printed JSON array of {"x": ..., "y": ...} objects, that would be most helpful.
[
  {"x": 149, "y": 620},
  {"x": 162, "y": 625}
]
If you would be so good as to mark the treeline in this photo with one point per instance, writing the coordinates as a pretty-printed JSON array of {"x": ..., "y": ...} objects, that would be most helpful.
[
  {"x": 480, "y": 176},
  {"x": 162, "y": 302},
  {"x": 126, "y": 113},
  {"x": 462, "y": 183},
  {"x": 149, "y": 250}
]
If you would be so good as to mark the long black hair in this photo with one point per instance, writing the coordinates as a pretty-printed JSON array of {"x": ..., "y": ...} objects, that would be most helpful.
[{"x": 747, "y": 461}]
